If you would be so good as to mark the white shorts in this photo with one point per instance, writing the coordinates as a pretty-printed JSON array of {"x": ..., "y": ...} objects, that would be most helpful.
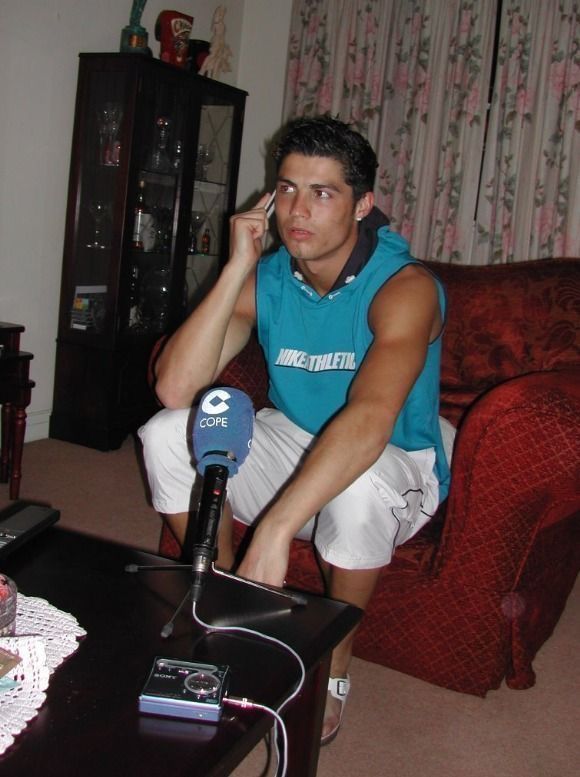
[{"x": 358, "y": 529}]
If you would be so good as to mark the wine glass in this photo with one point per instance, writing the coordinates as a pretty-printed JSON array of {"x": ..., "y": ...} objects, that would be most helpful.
[
  {"x": 205, "y": 156},
  {"x": 98, "y": 210},
  {"x": 159, "y": 160},
  {"x": 163, "y": 219},
  {"x": 155, "y": 293},
  {"x": 109, "y": 119},
  {"x": 197, "y": 219}
]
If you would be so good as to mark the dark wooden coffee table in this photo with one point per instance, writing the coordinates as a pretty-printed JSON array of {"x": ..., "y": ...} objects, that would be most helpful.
[{"x": 90, "y": 723}]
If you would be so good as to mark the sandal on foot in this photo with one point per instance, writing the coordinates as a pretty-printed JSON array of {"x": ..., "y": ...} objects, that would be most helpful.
[{"x": 338, "y": 687}]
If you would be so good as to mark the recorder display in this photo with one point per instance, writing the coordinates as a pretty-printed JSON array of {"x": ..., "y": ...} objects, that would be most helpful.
[{"x": 183, "y": 689}]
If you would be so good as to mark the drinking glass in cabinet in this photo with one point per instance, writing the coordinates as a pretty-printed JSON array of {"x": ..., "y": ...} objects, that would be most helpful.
[
  {"x": 163, "y": 219},
  {"x": 159, "y": 160},
  {"x": 109, "y": 124},
  {"x": 99, "y": 211},
  {"x": 197, "y": 219},
  {"x": 154, "y": 305},
  {"x": 177, "y": 158},
  {"x": 205, "y": 156}
]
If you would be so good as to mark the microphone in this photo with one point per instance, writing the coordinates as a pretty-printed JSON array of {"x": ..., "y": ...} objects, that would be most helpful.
[{"x": 222, "y": 436}]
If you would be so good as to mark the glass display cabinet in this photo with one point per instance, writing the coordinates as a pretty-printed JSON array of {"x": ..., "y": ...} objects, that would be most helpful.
[{"x": 153, "y": 180}]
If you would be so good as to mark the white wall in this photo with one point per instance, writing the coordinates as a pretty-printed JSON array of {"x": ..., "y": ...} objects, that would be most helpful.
[
  {"x": 262, "y": 72},
  {"x": 39, "y": 45}
]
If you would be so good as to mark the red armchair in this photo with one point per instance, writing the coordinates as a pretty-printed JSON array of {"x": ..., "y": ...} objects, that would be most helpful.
[{"x": 470, "y": 600}]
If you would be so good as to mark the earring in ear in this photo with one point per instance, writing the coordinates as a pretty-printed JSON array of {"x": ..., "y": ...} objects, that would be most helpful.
[{"x": 358, "y": 218}]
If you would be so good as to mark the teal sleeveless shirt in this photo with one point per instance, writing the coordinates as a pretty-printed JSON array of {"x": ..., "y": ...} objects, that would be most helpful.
[{"x": 315, "y": 345}]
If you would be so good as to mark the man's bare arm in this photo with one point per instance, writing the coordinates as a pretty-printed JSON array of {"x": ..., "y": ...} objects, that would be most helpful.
[
  {"x": 220, "y": 326},
  {"x": 404, "y": 318}
]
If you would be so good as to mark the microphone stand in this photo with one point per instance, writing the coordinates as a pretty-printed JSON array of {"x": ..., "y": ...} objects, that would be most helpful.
[{"x": 205, "y": 552}]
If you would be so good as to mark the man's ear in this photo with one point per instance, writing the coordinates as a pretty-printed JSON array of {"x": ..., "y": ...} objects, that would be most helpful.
[{"x": 364, "y": 206}]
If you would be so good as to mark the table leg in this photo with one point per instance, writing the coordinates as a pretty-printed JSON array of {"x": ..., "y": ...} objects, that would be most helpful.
[
  {"x": 6, "y": 441},
  {"x": 304, "y": 722},
  {"x": 18, "y": 430}
]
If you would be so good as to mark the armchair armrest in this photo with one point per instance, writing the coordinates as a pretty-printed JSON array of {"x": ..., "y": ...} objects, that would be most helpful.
[{"x": 516, "y": 469}]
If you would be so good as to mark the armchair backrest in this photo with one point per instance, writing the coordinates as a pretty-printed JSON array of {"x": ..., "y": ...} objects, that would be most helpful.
[{"x": 504, "y": 321}]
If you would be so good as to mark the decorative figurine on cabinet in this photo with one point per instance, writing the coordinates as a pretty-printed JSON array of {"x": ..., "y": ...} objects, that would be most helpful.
[
  {"x": 172, "y": 30},
  {"x": 218, "y": 60},
  {"x": 134, "y": 37}
]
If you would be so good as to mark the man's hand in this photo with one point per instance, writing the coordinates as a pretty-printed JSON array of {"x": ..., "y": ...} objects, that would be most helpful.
[{"x": 246, "y": 232}]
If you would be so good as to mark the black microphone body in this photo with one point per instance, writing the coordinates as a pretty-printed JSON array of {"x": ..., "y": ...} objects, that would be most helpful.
[
  {"x": 208, "y": 519},
  {"x": 222, "y": 436}
]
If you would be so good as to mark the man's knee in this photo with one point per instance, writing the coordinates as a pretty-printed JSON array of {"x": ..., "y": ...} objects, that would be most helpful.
[
  {"x": 355, "y": 505},
  {"x": 167, "y": 429},
  {"x": 357, "y": 530},
  {"x": 167, "y": 458}
]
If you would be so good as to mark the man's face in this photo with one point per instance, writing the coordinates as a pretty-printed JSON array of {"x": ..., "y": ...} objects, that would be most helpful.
[{"x": 315, "y": 210}]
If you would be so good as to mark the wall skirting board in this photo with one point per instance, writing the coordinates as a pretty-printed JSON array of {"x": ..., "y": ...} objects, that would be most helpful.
[{"x": 37, "y": 425}]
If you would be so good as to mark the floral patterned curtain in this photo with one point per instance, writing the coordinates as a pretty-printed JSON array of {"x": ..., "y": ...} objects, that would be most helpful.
[
  {"x": 530, "y": 195},
  {"x": 336, "y": 60},
  {"x": 414, "y": 77},
  {"x": 433, "y": 123}
]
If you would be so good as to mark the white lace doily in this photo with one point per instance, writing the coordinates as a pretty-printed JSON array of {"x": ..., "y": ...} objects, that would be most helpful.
[{"x": 45, "y": 636}]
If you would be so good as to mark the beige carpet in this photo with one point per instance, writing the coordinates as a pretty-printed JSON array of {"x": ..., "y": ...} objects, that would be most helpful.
[{"x": 394, "y": 725}]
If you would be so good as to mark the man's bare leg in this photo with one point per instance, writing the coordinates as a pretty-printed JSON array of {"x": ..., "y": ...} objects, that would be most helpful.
[
  {"x": 354, "y": 586},
  {"x": 225, "y": 543},
  {"x": 178, "y": 526}
]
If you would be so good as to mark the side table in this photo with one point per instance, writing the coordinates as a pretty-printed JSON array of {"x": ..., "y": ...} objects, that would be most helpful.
[{"x": 15, "y": 393}]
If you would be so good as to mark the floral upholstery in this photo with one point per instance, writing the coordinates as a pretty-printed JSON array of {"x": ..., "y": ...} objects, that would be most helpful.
[{"x": 468, "y": 602}]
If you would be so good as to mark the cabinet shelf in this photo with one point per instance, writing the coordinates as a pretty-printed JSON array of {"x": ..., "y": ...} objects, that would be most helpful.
[
  {"x": 211, "y": 187},
  {"x": 133, "y": 116},
  {"x": 160, "y": 179}
]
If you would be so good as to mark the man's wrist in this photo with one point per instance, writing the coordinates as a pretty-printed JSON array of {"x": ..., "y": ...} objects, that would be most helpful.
[
  {"x": 236, "y": 271},
  {"x": 242, "y": 264},
  {"x": 278, "y": 525}
]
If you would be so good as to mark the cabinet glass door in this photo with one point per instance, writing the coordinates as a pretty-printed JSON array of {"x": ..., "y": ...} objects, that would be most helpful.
[
  {"x": 90, "y": 299},
  {"x": 153, "y": 220},
  {"x": 153, "y": 177},
  {"x": 210, "y": 207}
]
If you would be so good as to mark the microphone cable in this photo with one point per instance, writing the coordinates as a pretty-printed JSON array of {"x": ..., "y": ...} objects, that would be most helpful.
[
  {"x": 279, "y": 728},
  {"x": 279, "y": 725}
]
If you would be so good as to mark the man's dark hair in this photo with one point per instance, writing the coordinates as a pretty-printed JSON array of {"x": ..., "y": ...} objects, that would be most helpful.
[{"x": 325, "y": 136}]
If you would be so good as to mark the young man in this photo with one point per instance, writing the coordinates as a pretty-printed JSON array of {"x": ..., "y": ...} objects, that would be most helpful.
[{"x": 350, "y": 324}]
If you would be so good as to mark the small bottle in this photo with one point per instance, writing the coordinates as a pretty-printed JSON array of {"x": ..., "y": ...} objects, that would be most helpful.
[
  {"x": 134, "y": 297},
  {"x": 138, "y": 223},
  {"x": 177, "y": 156},
  {"x": 192, "y": 247},
  {"x": 205, "y": 242},
  {"x": 144, "y": 232}
]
